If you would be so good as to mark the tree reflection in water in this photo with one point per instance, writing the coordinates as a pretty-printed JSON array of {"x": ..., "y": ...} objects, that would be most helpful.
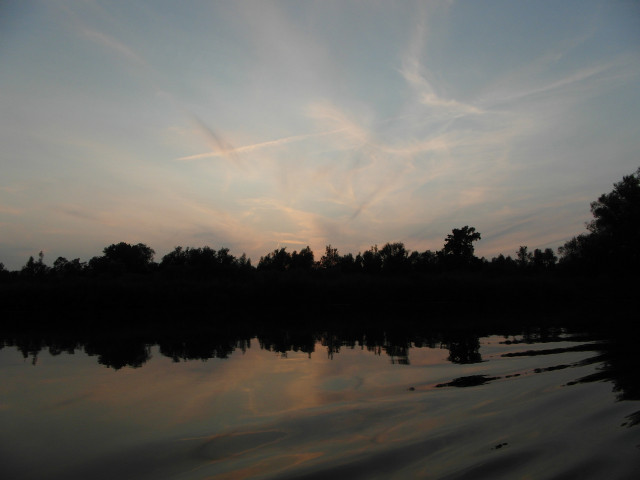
[{"x": 616, "y": 351}]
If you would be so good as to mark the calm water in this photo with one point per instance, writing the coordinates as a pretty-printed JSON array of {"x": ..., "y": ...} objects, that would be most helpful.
[{"x": 490, "y": 407}]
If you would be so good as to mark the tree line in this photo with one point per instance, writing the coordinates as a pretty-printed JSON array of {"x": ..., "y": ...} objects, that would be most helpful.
[
  {"x": 609, "y": 245},
  {"x": 205, "y": 262}
]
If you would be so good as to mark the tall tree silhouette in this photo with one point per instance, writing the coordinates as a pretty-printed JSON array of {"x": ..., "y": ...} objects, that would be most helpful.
[
  {"x": 458, "y": 245},
  {"x": 371, "y": 260},
  {"x": 394, "y": 257},
  {"x": 524, "y": 256},
  {"x": 330, "y": 259},
  {"x": 617, "y": 214},
  {"x": 302, "y": 260},
  {"x": 614, "y": 233}
]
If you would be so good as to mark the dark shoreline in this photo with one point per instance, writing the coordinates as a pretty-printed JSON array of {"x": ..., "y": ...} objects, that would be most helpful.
[{"x": 466, "y": 298}]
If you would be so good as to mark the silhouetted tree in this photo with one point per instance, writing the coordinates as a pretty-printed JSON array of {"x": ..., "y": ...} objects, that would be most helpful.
[
  {"x": 35, "y": 269},
  {"x": 123, "y": 258},
  {"x": 524, "y": 257},
  {"x": 458, "y": 247},
  {"x": 279, "y": 260},
  {"x": 202, "y": 262},
  {"x": 544, "y": 260},
  {"x": 331, "y": 258},
  {"x": 176, "y": 258},
  {"x": 64, "y": 268},
  {"x": 503, "y": 264},
  {"x": 371, "y": 260},
  {"x": 617, "y": 221},
  {"x": 617, "y": 213},
  {"x": 302, "y": 260},
  {"x": 244, "y": 263},
  {"x": 582, "y": 253},
  {"x": 224, "y": 259},
  {"x": 348, "y": 264},
  {"x": 422, "y": 261},
  {"x": 394, "y": 258},
  {"x": 612, "y": 243}
]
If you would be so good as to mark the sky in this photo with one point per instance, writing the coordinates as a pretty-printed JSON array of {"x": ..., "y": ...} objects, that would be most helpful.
[{"x": 256, "y": 125}]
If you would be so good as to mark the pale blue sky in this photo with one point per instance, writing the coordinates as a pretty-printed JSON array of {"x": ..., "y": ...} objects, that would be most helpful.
[{"x": 257, "y": 125}]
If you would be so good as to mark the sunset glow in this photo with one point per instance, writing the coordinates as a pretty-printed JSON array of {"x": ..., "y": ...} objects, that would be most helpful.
[{"x": 261, "y": 124}]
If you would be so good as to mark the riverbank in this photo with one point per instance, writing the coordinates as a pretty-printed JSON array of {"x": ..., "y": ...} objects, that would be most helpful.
[{"x": 464, "y": 297}]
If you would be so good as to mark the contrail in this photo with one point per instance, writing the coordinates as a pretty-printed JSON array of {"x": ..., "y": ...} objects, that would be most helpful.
[
  {"x": 219, "y": 145},
  {"x": 226, "y": 149},
  {"x": 371, "y": 198}
]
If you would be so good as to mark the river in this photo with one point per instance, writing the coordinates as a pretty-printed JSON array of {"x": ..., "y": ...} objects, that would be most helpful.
[{"x": 542, "y": 406}]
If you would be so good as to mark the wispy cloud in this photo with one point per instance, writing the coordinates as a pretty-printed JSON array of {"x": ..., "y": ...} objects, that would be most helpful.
[
  {"x": 512, "y": 93},
  {"x": 426, "y": 93},
  {"x": 114, "y": 45},
  {"x": 331, "y": 115},
  {"x": 416, "y": 74}
]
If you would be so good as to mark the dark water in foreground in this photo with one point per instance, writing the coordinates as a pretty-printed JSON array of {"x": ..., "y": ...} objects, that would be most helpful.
[{"x": 495, "y": 407}]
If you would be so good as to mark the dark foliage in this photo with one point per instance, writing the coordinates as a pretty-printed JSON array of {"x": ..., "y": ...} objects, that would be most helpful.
[
  {"x": 458, "y": 246},
  {"x": 202, "y": 263},
  {"x": 302, "y": 260},
  {"x": 331, "y": 259},
  {"x": 612, "y": 244},
  {"x": 394, "y": 258},
  {"x": 278, "y": 260},
  {"x": 35, "y": 269},
  {"x": 123, "y": 258}
]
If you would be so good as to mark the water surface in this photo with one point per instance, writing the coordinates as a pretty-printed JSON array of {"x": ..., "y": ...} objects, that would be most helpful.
[{"x": 488, "y": 407}]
